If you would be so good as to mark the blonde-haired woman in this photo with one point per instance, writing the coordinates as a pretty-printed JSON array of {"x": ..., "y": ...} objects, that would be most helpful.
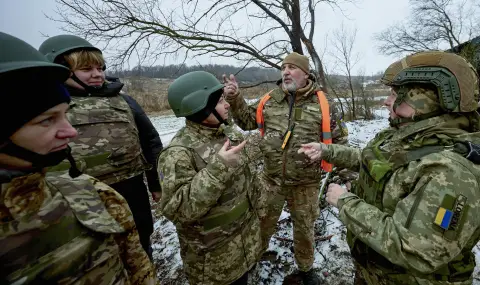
[{"x": 117, "y": 143}]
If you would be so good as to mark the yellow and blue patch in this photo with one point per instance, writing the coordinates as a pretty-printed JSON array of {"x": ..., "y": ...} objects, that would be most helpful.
[{"x": 443, "y": 218}]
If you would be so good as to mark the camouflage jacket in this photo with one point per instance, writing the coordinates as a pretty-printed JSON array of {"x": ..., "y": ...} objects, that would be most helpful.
[
  {"x": 287, "y": 164},
  {"x": 59, "y": 230},
  {"x": 107, "y": 146},
  {"x": 418, "y": 221},
  {"x": 209, "y": 204}
]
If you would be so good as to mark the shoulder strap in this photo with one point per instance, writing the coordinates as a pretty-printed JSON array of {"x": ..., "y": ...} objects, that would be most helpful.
[
  {"x": 86, "y": 204},
  {"x": 401, "y": 159},
  {"x": 259, "y": 115},
  {"x": 326, "y": 132}
]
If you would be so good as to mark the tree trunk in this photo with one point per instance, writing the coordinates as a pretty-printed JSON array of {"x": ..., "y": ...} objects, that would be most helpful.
[
  {"x": 353, "y": 95},
  {"x": 296, "y": 28},
  {"x": 319, "y": 70}
]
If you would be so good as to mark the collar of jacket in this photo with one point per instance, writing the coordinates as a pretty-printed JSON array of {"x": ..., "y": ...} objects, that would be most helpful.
[
  {"x": 109, "y": 89},
  {"x": 7, "y": 175},
  {"x": 204, "y": 130},
  {"x": 23, "y": 195},
  {"x": 280, "y": 94},
  {"x": 449, "y": 125}
]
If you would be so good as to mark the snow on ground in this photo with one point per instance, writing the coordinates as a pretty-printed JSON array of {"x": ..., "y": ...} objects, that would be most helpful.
[
  {"x": 167, "y": 126},
  {"x": 332, "y": 258}
]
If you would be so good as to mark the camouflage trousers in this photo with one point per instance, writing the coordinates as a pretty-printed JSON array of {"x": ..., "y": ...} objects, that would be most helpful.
[
  {"x": 302, "y": 201},
  {"x": 372, "y": 275}
]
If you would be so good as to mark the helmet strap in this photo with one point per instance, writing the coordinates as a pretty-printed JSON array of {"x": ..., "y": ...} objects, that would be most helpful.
[
  {"x": 219, "y": 118},
  {"x": 89, "y": 89},
  {"x": 41, "y": 160}
]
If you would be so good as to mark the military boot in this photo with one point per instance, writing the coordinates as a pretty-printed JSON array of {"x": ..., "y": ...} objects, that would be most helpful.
[{"x": 310, "y": 278}]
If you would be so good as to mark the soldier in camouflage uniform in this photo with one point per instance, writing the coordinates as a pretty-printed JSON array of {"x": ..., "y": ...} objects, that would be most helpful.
[
  {"x": 117, "y": 143},
  {"x": 286, "y": 175},
  {"x": 412, "y": 217},
  {"x": 55, "y": 229},
  {"x": 205, "y": 184}
]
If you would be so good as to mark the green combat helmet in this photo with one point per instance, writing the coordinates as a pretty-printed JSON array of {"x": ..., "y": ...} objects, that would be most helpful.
[
  {"x": 16, "y": 57},
  {"x": 55, "y": 46},
  {"x": 20, "y": 62},
  {"x": 194, "y": 95},
  {"x": 455, "y": 79}
]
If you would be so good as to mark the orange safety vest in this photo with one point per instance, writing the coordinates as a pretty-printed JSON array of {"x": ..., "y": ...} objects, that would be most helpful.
[{"x": 324, "y": 108}]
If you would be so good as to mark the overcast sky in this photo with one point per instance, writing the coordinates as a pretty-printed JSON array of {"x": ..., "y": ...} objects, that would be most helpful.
[{"x": 26, "y": 19}]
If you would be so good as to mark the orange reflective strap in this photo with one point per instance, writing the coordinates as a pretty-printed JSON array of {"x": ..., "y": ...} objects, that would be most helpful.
[
  {"x": 259, "y": 114},
  {"x": 324, "y": 108},
  {"x": 326, "y": 132}
]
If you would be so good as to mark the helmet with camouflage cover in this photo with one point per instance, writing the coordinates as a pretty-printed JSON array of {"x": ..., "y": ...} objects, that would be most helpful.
[
  {"x": 454, "y": 79},
  {"x": 55, "y": 46},
  {"x": 195, "y": 95}
]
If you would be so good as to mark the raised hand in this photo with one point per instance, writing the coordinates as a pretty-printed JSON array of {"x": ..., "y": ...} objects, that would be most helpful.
[
  {"x": 231, "y": 86},
  {"x": 231, "y": 155}
]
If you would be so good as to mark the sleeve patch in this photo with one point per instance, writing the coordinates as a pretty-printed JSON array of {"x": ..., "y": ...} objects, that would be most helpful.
[
  {"x": 443, "y": 218},
  {"x": 450, "y": 215}
]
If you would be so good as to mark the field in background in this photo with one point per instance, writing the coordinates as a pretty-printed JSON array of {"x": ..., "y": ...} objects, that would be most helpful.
[{"x": 151, "y": 94}]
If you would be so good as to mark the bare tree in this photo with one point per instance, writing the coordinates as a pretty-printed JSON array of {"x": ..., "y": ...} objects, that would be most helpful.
[
  {"x": 334, "y": 85},
  {"x": 432, "y": 25},
  {"x": 249, "y": 31},
  {"x": 364, "y": 95},
  {"x": 342, "y": 44}
]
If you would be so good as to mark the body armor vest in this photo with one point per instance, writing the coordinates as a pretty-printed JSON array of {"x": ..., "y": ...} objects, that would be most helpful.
[{"x": 107, "y": 146}]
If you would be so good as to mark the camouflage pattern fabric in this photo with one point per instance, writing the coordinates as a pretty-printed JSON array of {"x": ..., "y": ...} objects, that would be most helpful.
[
  {"x": 219, "y": 238},
  {"x": 287, "y": 166},
  {"x": 369, "y": 274},
  {"x": 68, "y": 231},
  {"x": 423, "y": 101},
  {"x": 303, "y": 206},
  {"x": 107, "y": 146},
  {"x": 397, "y": 224},
  {"x": 286, "y": 169}
]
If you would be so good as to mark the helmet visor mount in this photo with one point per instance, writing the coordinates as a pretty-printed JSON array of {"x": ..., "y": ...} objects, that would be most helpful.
[{"x": 445, "y": 82}]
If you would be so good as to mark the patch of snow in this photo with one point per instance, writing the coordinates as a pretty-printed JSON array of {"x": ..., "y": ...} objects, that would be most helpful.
[{"x": 167, "y": 127}]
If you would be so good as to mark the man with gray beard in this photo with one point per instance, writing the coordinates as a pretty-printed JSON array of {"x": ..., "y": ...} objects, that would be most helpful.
[{"x": 287, "y": 117}]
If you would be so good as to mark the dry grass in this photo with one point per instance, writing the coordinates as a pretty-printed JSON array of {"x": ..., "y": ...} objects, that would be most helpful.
[{"x": 151, "y": 93}]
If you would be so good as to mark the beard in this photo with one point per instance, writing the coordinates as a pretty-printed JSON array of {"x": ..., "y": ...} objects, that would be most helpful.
[{"x": 290, "y": 87}]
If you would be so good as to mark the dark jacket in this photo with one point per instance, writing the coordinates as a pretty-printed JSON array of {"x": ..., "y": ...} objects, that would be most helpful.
[{"x": 149, "y": 140}]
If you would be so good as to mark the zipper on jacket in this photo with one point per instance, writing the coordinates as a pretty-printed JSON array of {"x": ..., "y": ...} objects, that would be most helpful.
[
  {"x": 415, "y": 204},
  {"x": 285, "y": 150}
]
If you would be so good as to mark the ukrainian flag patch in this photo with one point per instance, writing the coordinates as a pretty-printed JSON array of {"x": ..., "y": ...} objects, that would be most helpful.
[{"x": 443, "y": 218}]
